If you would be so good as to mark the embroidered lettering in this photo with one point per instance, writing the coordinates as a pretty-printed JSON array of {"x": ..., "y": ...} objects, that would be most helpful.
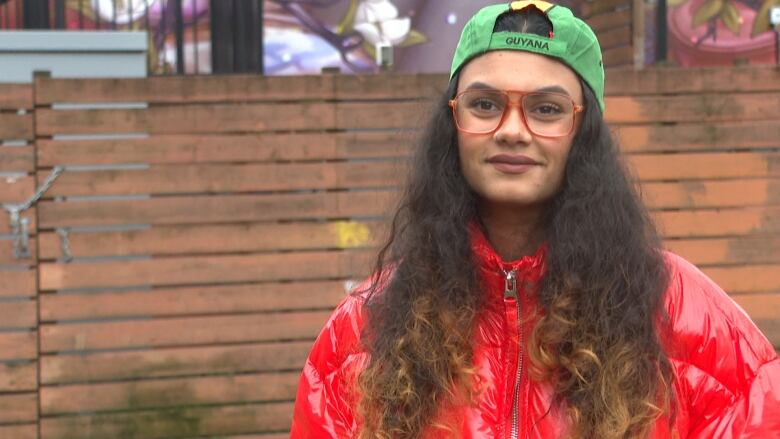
[{"x": 527, "y": 42}]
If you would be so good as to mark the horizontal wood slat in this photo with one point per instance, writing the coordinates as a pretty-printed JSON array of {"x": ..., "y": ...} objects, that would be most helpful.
[
  {"x": 18, "y": 283},
  {"x": 216, "y": 209},
  {"x": 660, "y": 80},
  {"x": 18, "y": 377},
  {"x": 32, "y": 224},
  {"x": 16, "y": 189},
  {"x": 195, "y": 270},
  {"x": 692, "y": 166},
  {"x": 719, "y": 223},
  {"x": 16, "y": 126},
  {"x": 609, "y": 20},
  {"x": 193, "y": 301},
  {"x": 19, "y": 431},
  {"x": 18, "y": 315},
  {"x": 709, "y": 194},
  {"x": 168, "y": 393},
  {"x": 763, "y": 310},
  {"x": 172, "y": 423},
  {"x": 240, "y": 88},
  {"x": 699, "y": 136},
  {"x": 7, "y": 255},
  {"x": 17, "y": 159},
  {"x": 212, "y": 178},
  {"x": 618, "y": 56},
  {"x": 251, "y": 328},
  {"x": 216, "y": 178},
  {"x": 18, "y": 408},
  {"x": 239, "y": 118},
  {"x": 728, "y": 251},
  {"x": 723, "y": 107},
  {"x": 228, "y": 238},
  {"x": 748, "y": 279},
  {"x": 16, "y": 96},
  {"x": 212, "y": 149},
  {"x": 174, "y": 362},
  {"x": 18, "y": 346},
  {"x": 619, "y": 36}
]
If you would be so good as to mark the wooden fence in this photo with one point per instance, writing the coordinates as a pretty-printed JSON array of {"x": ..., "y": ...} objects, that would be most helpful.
[{"x": 204, "y": 227}]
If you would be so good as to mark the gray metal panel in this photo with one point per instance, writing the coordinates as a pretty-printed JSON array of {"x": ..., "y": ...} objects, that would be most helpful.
[
  {"x": 72, "y": 54},
  {"x": 72, "y": 41}
]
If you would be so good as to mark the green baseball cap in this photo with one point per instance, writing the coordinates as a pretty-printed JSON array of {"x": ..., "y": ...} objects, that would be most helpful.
[{"x": 572, "y": 41}]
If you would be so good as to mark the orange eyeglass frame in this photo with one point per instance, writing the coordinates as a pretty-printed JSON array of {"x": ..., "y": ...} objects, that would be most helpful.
[{"x": 453, "y": 103}]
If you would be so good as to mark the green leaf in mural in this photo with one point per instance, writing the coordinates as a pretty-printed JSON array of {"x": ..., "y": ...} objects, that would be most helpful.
[
  {"x": 349, "y": 19},
  {"x": 761, "y": 23},
  {"x": 707, "y": 11},
  {"x": 730, "y": 17},
  {"x": 676, "y": 2},
  {"x": 414, "y": 38}
]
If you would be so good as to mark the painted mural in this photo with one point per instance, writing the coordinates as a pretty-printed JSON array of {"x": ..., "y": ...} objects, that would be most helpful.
[{"x": 721, "y": 32}]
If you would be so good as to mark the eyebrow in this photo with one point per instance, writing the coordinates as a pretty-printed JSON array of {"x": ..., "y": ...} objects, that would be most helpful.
[{"x": 550, "y": 88}]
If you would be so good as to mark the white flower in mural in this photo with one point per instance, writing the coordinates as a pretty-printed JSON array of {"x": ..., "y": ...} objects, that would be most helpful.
[{"x": 378, "y": 22}]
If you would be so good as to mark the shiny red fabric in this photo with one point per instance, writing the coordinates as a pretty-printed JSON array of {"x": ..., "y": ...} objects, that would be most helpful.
[{"x": 727, "y": 374}]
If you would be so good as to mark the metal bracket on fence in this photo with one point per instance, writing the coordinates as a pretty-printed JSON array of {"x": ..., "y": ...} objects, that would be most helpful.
[
  {"x": 19, "y": 224},
  {"x": 65, "y": 243}
]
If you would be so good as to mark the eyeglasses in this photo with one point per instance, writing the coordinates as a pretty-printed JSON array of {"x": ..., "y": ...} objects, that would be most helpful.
[{"x": 546, "y": 114}]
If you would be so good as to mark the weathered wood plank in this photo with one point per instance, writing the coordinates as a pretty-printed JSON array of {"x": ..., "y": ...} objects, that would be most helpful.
[
  {"x": 728, "y": 251},
  {"x": 17, "y": 159},
  {"x": 172, "y": 423},
  {"x": 746, "y": 279},
  {"x": 16, "y": 96},
  {"x": 213, "y": 149},
  {"x": 190, "y": 119},
  {"x": 28, "y": 431},
  {"x": 185, "y": 331},
  {"x": 174, "y": 362},
  {"x": 216, "y": 178},
  {"x": 205, "y": 300},
  {"x": 708, "y": 165},
  {"x": 16, "y": 189},
  {"x": 16, "y": 126},
  {"x": 18, "y": 315},
  {"x": 609, "y": 20},
  {"x": 199, "y": 270},
  {"x": 18, "y": 408},
  {"x": 18, "y": 377},
  {"x": 217, "y": 209},
  {"x": 619, "y": 36},
  {"x": 719, "y": 223},
  {"x": 698, "y": 136},
  {"x": 215, "y": 239},
  {"x": 184, "y": 89},
  {"x": 18, "y": 346},
  {"x": 711, "y": 194},
  {"x": 722, "y": 107},
  {"x": 618, "y": 56},
  {"x": 155, "y": 394},
  {"x": 18, "y": 283},
  {"x": 662, "y": 80},
  {"x": 764, "y": 309}
]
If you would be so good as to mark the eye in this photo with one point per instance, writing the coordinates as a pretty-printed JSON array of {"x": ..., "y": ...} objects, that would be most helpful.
[
  {"x": 548, "y": 109},
  {"x": 484, "y": 104}
]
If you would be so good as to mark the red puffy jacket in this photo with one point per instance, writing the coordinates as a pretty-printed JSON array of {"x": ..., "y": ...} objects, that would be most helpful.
[{"x": 727, "y": 381}]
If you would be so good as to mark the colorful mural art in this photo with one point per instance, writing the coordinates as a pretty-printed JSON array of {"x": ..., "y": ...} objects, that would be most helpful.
[{"x": 721, "y": 32}]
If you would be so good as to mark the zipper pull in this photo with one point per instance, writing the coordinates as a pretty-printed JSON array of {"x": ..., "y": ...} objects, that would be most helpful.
[{"x": 510, "y": 284}]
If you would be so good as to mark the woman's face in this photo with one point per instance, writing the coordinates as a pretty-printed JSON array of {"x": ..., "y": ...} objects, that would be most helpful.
[{"x": 512, "y": 165}]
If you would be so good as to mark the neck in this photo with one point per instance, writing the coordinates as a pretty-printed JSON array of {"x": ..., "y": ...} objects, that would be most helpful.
[{"x": 513, "y": 231}]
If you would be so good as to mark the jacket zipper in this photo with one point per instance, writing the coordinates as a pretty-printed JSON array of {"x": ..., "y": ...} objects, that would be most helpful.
[{"x": 510, "y": 293}]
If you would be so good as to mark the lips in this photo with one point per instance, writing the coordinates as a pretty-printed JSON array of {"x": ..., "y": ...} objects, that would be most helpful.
[{"x": 512, "y": 164}]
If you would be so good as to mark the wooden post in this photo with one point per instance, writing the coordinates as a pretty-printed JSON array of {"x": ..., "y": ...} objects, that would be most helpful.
[{"x": 638, "y": 32}]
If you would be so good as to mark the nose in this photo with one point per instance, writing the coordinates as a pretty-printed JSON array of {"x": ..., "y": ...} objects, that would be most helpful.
[{"x": 513, "y": 129}]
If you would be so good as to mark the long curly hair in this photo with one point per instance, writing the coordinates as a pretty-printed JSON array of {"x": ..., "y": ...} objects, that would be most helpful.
[{"x": 601, "y": 296}]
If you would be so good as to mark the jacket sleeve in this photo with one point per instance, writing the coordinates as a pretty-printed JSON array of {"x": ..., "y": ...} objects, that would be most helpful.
[
  {"x": 323, "y": 407},
  {"x": 730, "y": 372}
]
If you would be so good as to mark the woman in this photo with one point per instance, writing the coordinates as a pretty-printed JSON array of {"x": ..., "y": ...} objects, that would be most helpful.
[{"x": 523, "y": 292}]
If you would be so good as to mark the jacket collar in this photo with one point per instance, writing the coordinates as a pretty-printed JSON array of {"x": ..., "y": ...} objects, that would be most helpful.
[{"x": 486, "y": 258}]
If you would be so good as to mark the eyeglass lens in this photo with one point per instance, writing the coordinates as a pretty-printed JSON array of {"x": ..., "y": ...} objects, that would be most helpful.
[{"x": 546, "y": 114}]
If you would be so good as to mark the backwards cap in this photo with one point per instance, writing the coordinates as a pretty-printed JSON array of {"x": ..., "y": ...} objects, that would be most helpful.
[{"x": 572, "y": 41}]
